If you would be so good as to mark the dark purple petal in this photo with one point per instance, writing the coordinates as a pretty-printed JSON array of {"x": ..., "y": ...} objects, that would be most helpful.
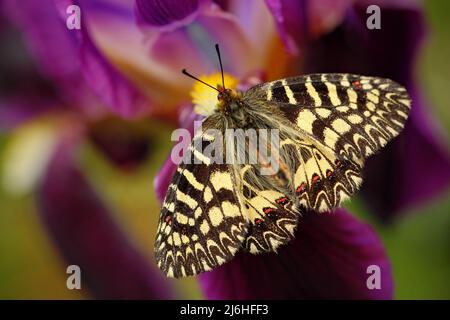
[
  {"x": 86, "y": 235},
  {"x": 40, "y": 21},
  {"x": 298, "y": 20},
  {"x": 71, "y": 60},
  {"x": 168, "y": 13},
  {"x": 327, "y": 260},
  {"x": 415, "y": 165},
  {"x": 389, "y": 52},
  {"x": 24, "y": 92},
  {"x": 57, "y": 61},
  {"x": 291, "y": 20}
]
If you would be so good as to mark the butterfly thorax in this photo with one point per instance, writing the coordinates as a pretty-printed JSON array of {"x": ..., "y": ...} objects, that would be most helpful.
[{"x": 231, "y": 104}]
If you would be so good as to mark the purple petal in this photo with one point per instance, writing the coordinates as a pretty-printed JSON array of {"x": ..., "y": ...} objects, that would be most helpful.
[
  {"x": 71, "y": 60},
  {"x": 242, "y": 56},
  {"x": 187, "y": 117},
  {"x": 169, "y": 14},
  {"x": 110, "y": 86},
  {"x": 415, "y": 166},
  {"x": 24, "y": 92},
  {"x": 290, "y": 18},
  {"x": 327, "y": 260},
  {"x": 113, "y": 30},
  {"x": 86, "y": 235},
  {"x": 40, "y": 21},
  {"x": 299, "y": 20},
  {"x": 56, "y": 60},
  {"x": 163, "y": 178},
  {"x": 183, "y": 47},
  {"x": 177, "y": 49}
]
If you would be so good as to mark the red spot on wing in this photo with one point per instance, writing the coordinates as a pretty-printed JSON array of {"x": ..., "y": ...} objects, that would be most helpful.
[
  {"x": 357, "y": 84},
  {"x": 258, "y": 221},
  {"x": 315, "y": 178},
  {"x": 268, "y": 210},
  {"x": 301, "y": 188},
  {"x": 168, "y": 219},
  {"x": 282, "y": 200}
]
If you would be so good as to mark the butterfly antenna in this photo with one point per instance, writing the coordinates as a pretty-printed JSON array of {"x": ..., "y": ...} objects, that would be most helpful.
[
  {"x": 221, "y": 67},
  {"x": 195, "y": 78}
]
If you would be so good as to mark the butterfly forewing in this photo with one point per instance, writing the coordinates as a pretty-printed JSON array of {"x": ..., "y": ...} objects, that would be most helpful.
[
  {"x": 272, "y": 215},
  {"x": 202, "y": 223},
  {"x": 353, "y": 115},
  {"x": 339, "y": 120}
]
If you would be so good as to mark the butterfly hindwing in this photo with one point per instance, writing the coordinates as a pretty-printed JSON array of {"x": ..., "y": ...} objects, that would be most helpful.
[
  {"x": 321, "y": 179},
  {"x": 202, "y": 223},
  {"x": 272, "y": 215}
]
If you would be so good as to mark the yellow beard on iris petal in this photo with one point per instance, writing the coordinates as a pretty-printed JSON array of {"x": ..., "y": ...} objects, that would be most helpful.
[{"x": 205, "y": 98}]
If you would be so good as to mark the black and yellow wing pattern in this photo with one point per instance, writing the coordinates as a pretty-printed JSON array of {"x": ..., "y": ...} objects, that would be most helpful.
[{"x": 329, "y": 125}]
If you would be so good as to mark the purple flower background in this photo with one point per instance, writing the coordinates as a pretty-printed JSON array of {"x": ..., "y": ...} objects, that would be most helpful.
[{"x": 85, "y": 122}]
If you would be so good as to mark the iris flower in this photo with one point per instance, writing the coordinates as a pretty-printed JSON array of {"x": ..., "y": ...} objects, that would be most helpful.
[{"x": 125, "y": 63}]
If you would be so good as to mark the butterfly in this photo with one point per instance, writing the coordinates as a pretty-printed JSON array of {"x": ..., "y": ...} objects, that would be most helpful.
[{"x": 327, "y": 124}]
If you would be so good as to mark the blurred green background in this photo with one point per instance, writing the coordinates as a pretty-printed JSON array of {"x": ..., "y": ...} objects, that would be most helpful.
[{"x": 418, "y": 243}]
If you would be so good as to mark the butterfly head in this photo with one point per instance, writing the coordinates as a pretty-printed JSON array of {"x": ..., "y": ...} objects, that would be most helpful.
[
  {"x": 225, "y": 100},
  {"x": 224, "y": 94},
  {"x": 228, "y": 100},
  {"x": 207, "y": 101}
]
